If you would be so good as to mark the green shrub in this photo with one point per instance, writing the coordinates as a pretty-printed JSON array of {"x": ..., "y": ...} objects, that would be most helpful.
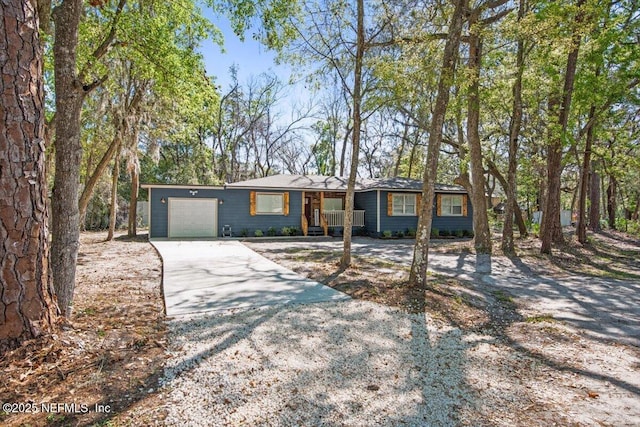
[
  {"x": 271, "y": 231},
  {"x": 435, "y": 232},
  {"x": 458, "y": 233},
  {"x": 258, "y": 233},
  {"x": 293, "y": 230},
  {"x": 400, "y": 233},
  {"x": 445, "y": 233},
  {"x": 411, "y": 232},
  {"x": 387, "y": 233},
  {"x": 628, "y": 226},
  {"x": 535, "y": 229},
  {"x": 244, "y": 232},
  {"x": 286, "y": 231}
]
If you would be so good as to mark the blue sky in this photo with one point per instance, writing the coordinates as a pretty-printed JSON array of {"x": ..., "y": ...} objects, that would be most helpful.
[
  {"x": 252, "y": 59},
  {"x": 249, "y": 55}
]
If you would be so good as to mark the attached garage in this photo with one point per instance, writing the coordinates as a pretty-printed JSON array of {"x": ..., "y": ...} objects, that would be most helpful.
[{"x": 191, "y": 217}]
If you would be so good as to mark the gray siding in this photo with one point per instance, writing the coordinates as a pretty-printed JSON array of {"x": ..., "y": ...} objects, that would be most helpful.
[
  {"x": 453, "y": 223},
  {"x": 402, "y": 223},
  {"x": 236, "y": 213},
  {"x": 367, "y": 202},
  {"x": 233, "y": 210},
  {"x": 394, "y": 223}
]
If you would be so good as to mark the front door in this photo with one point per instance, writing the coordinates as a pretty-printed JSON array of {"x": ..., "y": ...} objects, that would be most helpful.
[
  {"x": 312, "y": 208},
  {"x": 308, "y": 212}
]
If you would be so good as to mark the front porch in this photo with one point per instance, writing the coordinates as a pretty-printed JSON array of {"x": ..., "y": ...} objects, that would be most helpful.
[{"x": 324, "y": 209}]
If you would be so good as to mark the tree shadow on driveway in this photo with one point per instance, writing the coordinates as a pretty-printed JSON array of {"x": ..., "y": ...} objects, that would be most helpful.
[{"x": 344, "y": 363}]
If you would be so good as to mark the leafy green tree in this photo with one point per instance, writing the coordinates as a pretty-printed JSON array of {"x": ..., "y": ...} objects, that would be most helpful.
[{"x": 418, "y": 275}]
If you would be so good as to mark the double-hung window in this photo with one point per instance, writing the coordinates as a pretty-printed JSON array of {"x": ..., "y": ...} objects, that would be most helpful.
[
  {"x": 404, "y": 204},
  {"x": 451, "y": 205}
]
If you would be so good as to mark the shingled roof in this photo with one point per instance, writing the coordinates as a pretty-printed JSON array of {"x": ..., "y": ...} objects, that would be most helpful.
[{"x": 336, "y": 183}]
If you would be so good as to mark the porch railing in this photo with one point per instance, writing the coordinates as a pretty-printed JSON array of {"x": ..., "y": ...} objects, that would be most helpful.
[{"x": 336, "y": 218}]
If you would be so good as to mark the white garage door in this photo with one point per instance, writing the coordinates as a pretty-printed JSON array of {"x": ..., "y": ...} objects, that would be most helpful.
[{"x": 193, "y": 217}]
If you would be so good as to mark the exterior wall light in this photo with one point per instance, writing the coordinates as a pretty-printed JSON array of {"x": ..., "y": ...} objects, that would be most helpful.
[{"x": 163, "y": 200}]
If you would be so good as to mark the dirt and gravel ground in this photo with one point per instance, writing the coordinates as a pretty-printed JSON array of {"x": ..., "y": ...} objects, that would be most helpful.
[
  {"x": 110, "y": 354},
  {"x": 558, "y": 345},
  {"x": 462, "y": 352}
]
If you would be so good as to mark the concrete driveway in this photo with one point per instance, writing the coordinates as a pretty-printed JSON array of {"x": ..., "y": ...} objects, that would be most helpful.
[{"x": 202, "y": 276}]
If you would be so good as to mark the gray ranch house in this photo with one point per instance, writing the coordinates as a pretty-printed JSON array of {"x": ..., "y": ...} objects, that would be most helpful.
[{"x": 299, "y": 204}]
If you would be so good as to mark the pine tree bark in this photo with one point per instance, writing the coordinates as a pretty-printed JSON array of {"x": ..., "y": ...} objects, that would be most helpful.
[
  {"x": 418, "y": 275},
  {"x": 70, "y": 95},
  {"x": 27, "y": 303},
  {"x": 345, "y": 261}
]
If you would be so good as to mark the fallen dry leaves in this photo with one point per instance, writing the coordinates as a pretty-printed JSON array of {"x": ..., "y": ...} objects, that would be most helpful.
[{"x": 109, "y": 354}]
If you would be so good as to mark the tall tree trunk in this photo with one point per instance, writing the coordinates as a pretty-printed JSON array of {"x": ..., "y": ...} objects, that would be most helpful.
[
  {"x": 132, "y": 230},
  {"x": 122, "y": 129},
  {"x": 511, "y": 190},
  {"x": 517, "y": 212},
  {"x": 412, "y": 156},
  {"x": 113, "y": 211},
  {"x": 345, "y": 261},
  {"x": 87, "y": 192},
  {"x": 478, "y": 197},
  {"x": 345, "y": 143},
  {"x": 612, "y": 205},
  {"x": 403, "y": 143},
  {"x": 581, "y": 229},
  {"x": 69, "y": 95},
  {"x": 551, "y": 228},
  {"x": 27, "y": 302},
  {"x": 418, "y": 276}
]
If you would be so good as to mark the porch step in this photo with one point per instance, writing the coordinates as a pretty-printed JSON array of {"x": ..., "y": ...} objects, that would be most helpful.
[{"x": 315, "y": 231}]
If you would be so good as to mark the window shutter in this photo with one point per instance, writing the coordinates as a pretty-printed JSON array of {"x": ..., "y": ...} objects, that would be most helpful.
[
  {"x": 389, "y": 204},
  {"x": 418, "y": 203},
  {"x": 464, "y": 205},
  {"x": 439, "y": 204},
  {"x": 285, "y": 201},
  {"x": 252, "y": 203}
]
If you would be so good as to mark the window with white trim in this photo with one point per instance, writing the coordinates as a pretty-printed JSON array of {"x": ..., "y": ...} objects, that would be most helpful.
[
  {"x": 270, "y": 203},
  {"x": 451, "y": 205},
  {"x": 404, "y": 204}
]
